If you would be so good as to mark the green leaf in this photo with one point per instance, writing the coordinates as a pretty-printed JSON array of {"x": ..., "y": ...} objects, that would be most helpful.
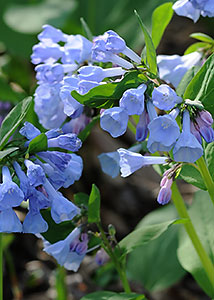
[
  {"x": 201, "y": 86},
  {"x": 150, "y": 48},
  {"x": 86, "y": 29},
  {"x": 196, "y": 47},
  {"x": 55, "y": 232},
  {"x": 209, "y": 157},
  {"x": 39, "y": 143},
  {"x": 191, "y": 175},
  {"x": 201, "y": 213},
  {"x": 94, "y": 205},
  {"x": 81, "y": 199},
  {"x": 13, "y": 120},
  {"x": 186, "y": 80},
  {"x": 158, "y": 266},
  {"x": 161, "y": 17},
  {"x": 106, "y": 295},
  {"x": 143, "y": 235},
  {"x": 105, "y": 95},
  {"x": 86, "y": 131},
  {"x": 7, "y": 152},
  {"x": 202, "y": 37}
]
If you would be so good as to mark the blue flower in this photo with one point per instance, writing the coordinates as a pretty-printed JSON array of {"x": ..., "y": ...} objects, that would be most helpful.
[
  {"x": 133, "y": 100},
  {"x": 97, "y": 74},
  {"x": 142, "y": 127},
  {"x": 68, "y": 141},
  {"x": 61, "y": 208},
  {"x": 131, "y": 162},
  {"x": 163, "y": 132},
  {"x": 35, "y": 173},
  {"x": 114, "y": 120},
  {"x": 53, "y": 34},
  {"x": 187, "y": 147},
  {"x": 164, "y": 97},
  {"x": 46, "y": 52},
  {"x": 110, "y": 163},
  {"x": 206, "y": 7},
  {"x": 9, "y": 222},
  {"x": 10, "y": 194},
  {"x": 186, "y": 9},
  {"x": 56, "y": 159},
  {"x": 76, "y": 125},
  {"x": 29, "y": 131},
  {"x": 49, "y": 73},
  {"x": 70, "y": 251}
]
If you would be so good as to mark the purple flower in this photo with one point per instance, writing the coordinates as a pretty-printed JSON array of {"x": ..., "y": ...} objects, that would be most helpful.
[
  {"x": 133, "y": 100},
  {"x": 205, "y": 130},
  {"x": 142, "y": 127},
  {"x": 131, "y": 162},
  {"x": 101, "y": 257},
  {"x": 187, "y": 147},
  {"x": 114, "y": 120},
  {"x": 76, "y": 125},
  {"x": 165, "y": 192},
  {"x": 164, "y": 97},
  {"x": 70, "y": 251}
]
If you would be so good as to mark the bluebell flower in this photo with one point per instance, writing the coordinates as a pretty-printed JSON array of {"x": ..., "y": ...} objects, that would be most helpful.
[
  {"x": 164, "y": 97},
  {"x": 185, "y": 8},
  {"x": 97, "y": 74},
  {"x": 9, "y": 222},
  {"x": 69, "y": 252},
  {"x": 49, "y": 73},
  {"x": 61, "y": 208},
  {"x": 133, "y": 100},
  {"x": 53, "y": 133},
  {"x": 29, "y": 131},
  {"x": 35, "y": 173},
  {"x": 172, "y": 68},
  {"x": 206, "y": 7},
  {"x": 76, "y": 125},
  {"x": 187, "y": 148},
  {"x": 131, "y": 162},
  {"x": 56, "y": 159},
  {"x": 53, "y": 34},
  {"x": 165, "y": 192},
  {"x": 10, "y": 194},
  {"x": 76, "y": 49},
  {"x": 49, "y": 106},
  {"x": 114, "y": 120},
  {"x": 73, "y": 171},
  {"x": 205, "y": 130},
  {"x": 142, "y": 127},
  {"x": 68, "y": 141},
  {"x": 163, "y": 132},
  {"x": 46, "y": 52}
]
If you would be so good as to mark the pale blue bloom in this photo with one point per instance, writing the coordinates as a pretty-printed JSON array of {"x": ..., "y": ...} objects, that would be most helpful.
[
  {"x": 69, "y": 252},
  {"x": 29, "y": 131},
  {"x": 46, "y": 52},
  {"x": 172, "y": 68},
  {"x": 186, "y": 9},
  {"x": 68, "y": 141},
  {"x": 110, "y": 163},
  {"x": 187, "y": 147},
  {"x": 49, "y": 73},
  {"x": 76, "y": 125},
  {"x": 114, "y": 120},
  {"x": 51, "y": 33},
  {"x": 164, "y": 97},
  {"x": 97, "y": 74},
  {"x": 35, "y": 173},
  {"x": 206, "y": 7},
  {"x": 9, "y": 222},
  {"x": 56, "y": 158},
  {"x": 131, "y": 162},
  {"x": 133, "y": 100}
]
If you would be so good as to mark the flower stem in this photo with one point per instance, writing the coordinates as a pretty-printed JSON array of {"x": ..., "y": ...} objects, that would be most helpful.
[
  {"x": 206, "y": 177},
  {"x": 117, "y": 264},
  {"x": 1, "y": 266},
  {"x": 182, "y": 211}
]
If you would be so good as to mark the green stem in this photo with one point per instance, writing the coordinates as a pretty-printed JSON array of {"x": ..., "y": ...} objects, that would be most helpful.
[
  {"x": 182, "y": 211},
  {"x": 111, "y": 253},
  {"x": 60, "y": 283},
  {"x": 206, "y": 177},
  {"x": 1, "y": 266}
]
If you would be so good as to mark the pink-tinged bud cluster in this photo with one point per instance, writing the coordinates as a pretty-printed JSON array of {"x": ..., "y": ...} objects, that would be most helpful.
[
  {"x": 165, "y": 192},
  {"x": 101, "y": 257},
  {"x": 203, "y": 127}
]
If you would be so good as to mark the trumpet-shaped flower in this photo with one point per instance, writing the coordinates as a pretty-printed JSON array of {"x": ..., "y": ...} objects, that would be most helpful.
[
  {"x": 29, "y": 131},
  {"x": 187, "y": 147},
  {"x": 164, "y": 97},
  {"x": 35, "y": 173},
  {"x": 9, "y": 222},
  {"x": 68, "y": 141},
  {"x": 186, "y": 9},
  {"x": 97, "y": 74},
  {"x": 51, "y": 33}
]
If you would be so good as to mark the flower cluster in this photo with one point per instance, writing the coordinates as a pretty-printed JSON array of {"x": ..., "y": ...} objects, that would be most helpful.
[{"x": 39, "y": 179}]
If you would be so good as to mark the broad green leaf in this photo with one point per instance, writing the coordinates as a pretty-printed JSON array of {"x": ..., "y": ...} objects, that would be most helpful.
[
  {"x": 86, "y": 131},
  {"x": 186, "y": 80},
  {"x": 106, "y": 95},
  {"x": 150, "y": 49},
  {"x": 106, "y": 295},
  {"x": 13, "y": 119},
  {"x": 55, "y": 232},
  {"x": 209, "y": 157},
  {"x": 202, "y": 37},
  {"x": 86, "y": 29},
  {"x": 145, "y": 234},
  {"x": 201, "y": 86},
  {"x": 39, "y": 143},
  {"x": 158, "y": 266},
  {"x": 31, "y": 17},
  {"x": 161, "y": 17},
  {"x": 7, "y": 152},
  {"x": 191, "y": 175},
  {"x": 81, "y": 199},
  {"x": 196, "y": 47},
  {"x": 201, "y": 213},
  {"x": 94, "y": 205}
]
